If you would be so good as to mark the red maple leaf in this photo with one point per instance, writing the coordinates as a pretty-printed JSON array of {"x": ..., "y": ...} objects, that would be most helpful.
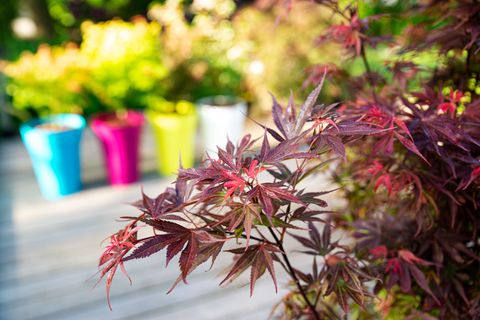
[
  {"x": 375, "y": 168},
  {"x": 235, "y": 182},
  {"x": 112, "y": 257},
  {"x": 393, "y": 266},
  {"x": 456, "y": 96},
  {"x": 449, "y": 107},
  {"x": 348, "y": 34},
  {"x": 385, "y": 180},
  {"x": 259, "y": 257},
  {"x": 379, "y": 252},
  {"x": 411, "y": 258},
  {"x": 253, "y": 170}
]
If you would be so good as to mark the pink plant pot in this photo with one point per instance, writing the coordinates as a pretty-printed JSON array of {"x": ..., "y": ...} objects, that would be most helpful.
[{"x": 120, "y": 140}]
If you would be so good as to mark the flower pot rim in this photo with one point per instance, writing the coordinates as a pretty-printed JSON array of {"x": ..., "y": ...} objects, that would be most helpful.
[
  {"x": 60, "y": 119},
  {"x": 212, "y": 102},
  {"x": 153, "y": 114},
  {"x": 134, "y": 118}
]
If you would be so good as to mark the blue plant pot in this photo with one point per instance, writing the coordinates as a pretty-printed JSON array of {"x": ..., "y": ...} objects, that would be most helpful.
[{"x": 55, "y": 155}]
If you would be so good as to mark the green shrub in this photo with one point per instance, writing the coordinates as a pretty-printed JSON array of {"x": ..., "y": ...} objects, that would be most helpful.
[
  {"x": 124, "y": 63},
  {"x": 118, "y": 66},
  {"x": 197, "y": 51},
  {"x": 47, "y": 82}
]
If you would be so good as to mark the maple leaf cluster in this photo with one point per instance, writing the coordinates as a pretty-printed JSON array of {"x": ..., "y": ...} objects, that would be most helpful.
[
  {"x": 413, "y": 189},
  {"x": 406, "y": 141},
  {"x": 252, "y": 198}
]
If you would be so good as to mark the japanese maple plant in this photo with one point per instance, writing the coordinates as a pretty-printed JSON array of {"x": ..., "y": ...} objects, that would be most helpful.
[
  {"x": 224, "y": 200},
  {"x": 410, "y": 135},
  {"x": 413, "y": 189}
]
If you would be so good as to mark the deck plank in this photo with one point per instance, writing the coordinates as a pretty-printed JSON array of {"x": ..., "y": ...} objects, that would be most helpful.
[{"x": 50, "y": 250}]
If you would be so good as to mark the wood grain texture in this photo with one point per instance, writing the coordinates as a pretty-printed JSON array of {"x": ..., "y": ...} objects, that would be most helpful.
[{"x": 49, "y": 252}]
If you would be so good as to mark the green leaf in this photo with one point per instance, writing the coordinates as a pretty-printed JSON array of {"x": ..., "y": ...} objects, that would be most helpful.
[{"x": 276, "y": 222}]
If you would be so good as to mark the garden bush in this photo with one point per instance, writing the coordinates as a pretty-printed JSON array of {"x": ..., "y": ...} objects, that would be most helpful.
[
  {"x": 118, "y": 66},
  {"x": 196, "y": 49},
  {"x": 48, "y": 82},
  {"x": 125, "y": 63}
]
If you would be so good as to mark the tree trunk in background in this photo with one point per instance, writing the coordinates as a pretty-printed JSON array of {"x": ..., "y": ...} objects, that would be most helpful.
[
  {"x": 6, "y": 125},
  {"x": 38, "y": 11}
]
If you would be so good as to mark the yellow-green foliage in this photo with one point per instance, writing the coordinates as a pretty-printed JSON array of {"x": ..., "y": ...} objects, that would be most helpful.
[
  {"x": 395, "y": 305},
  {"x": 281, "y": 47},
  {"x": 118, "y": 65},
  {"x": 49, "y": 81},
  {"x": 124, "y": 62},
  {"x": 181, "y": 107},
  {"x": 197, "y": 51},
  {"x": 247, "y": 54}
]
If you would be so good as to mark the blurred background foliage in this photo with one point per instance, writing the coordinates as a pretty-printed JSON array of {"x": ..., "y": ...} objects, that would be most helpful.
[
  {"x": 90, "y": 55},
  {"x": 124, "y": 63},
  {"x": 97, "y": 55}
]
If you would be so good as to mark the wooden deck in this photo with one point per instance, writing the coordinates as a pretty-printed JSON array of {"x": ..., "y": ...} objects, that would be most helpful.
[{"x": 49, "y": 252}]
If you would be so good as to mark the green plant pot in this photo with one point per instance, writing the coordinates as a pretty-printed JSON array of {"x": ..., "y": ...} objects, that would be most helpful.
[{"x": 175, "y": 138}]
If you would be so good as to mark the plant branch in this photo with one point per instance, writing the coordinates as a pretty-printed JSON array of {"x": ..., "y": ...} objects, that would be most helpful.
[
  {"x": 363, "y": 54},
  {"x": 244, "y": 236},
  {"x": 294, "y": 275},
  {"x": 468, "y": 70},
  {"x": 365, "y": 60},
  {"x": 468, "y": 61},
  {"x": 334, "y": 8}
]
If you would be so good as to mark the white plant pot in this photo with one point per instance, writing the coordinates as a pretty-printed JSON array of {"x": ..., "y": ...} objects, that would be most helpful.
[{"x": 221, "y": 118}]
